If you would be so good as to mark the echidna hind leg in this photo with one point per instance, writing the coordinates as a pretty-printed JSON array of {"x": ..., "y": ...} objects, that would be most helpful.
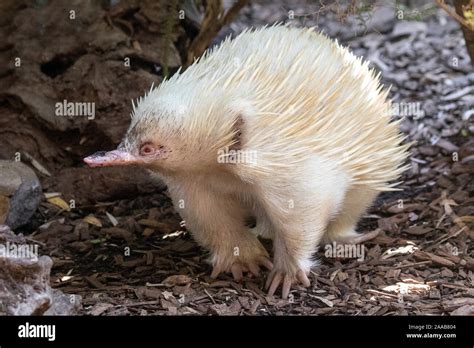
[{"x": 342, "y": 228}]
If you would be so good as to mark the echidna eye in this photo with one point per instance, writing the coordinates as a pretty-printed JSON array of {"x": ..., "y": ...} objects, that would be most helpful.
[{"x": 147, "y": 149}]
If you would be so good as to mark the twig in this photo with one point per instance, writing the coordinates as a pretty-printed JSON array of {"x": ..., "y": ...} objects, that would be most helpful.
[
  {"x": 454, "y": 15},
  {"x": 376, "y": 292},
  {"x": 212, "y": 23},
  {"x": 138, "y": 303},
  {"x": 210, "y": 296},
  {"x": 35, "y": 241},
  {"x": 414, "y": 264}
]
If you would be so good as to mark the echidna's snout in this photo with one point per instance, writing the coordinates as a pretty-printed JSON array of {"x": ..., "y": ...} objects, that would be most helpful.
[{"x": 116, "y": 157}]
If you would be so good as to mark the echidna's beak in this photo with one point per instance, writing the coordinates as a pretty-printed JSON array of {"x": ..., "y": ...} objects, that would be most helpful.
[{"x": 110, "y": 158}]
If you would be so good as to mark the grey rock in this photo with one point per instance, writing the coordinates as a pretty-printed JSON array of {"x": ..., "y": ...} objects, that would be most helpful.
[
  {"x": 430, "y": 108},
  {"x": 25, "y": 280},
  {"x": 64, "y": 304},
  {"x": 458, "y": 93},
  {"x": 403, "y": 28},
  {"x": 447, "y": 145},
  {"x": 20, "y": 193},
  {"x": 467, "y": 115},
  {"x": 382, "y": 19}
]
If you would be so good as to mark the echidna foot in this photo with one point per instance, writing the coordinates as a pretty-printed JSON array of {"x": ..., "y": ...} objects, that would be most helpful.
[
  {"x": 289, "y": 278},
  {"x": 241, "y": 264}
]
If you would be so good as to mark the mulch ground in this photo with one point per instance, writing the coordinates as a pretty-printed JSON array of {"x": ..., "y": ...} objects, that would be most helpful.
[{"x": 133, "y": 257}]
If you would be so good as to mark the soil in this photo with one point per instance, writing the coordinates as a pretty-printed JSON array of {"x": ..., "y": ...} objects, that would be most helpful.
[{"x": 121, "y": 245}]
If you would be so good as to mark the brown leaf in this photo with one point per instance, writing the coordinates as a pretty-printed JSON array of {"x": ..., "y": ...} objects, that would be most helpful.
[
  {"x": 59, "y": 202},
  {"x": 100, "y": 308},
  {"x": 219, "y": 309},
  {"x": 144, "y": 292},
  {"x": 324, "y": 300},
  {"x": 92, "y": 220},
  {"x": 118, "y": 232},
  {"x": 161, "y": 226},
  {"x": 179, "y": 279}
]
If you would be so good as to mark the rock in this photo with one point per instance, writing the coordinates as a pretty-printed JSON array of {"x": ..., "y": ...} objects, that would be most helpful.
[
  {"x": 458, "y": 93},
  {"x": 382, "y": 19},
  {"x": 467, "y": 115},
  {"x": 20, "y": 193},
  {"x": 403, "y": 28},
  {"x": 64, "y": 304},
  {"x": 447, "y": 145},
  {"x": 25, "y": 280},
  {"x": 430, "y": 108}
]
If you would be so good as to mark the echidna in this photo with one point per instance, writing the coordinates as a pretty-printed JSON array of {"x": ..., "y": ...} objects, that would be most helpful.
[{"x": 280, "y": 124}]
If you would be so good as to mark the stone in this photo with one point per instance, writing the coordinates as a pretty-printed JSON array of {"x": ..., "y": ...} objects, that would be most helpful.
[
  {"x": 25, "y": 280},
  {"x": 64, "y": 304},
  {"x": 403, "y": 28},
  {"x": 20, "y": 193},
  {"x": 382, "y": 19}
]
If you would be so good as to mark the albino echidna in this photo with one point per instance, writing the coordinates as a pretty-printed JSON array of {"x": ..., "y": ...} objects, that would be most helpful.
[{"x": 282, "y": 125}]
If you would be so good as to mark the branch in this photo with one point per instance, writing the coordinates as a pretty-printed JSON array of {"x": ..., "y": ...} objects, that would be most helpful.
[
  {"x": 453, "y": 14},
  {"x": 212, "y": 23}
]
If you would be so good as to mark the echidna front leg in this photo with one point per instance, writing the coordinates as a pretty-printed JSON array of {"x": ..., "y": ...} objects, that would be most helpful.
[
  {"x": 297, "y": 234},
  {"x": 299, "y": 211},
  {"x": 295, "y": 241},
  {"x": 217, "y": 222}
]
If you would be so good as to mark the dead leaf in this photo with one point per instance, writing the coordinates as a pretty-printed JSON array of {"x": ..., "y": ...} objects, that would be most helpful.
[
  {"x": 100, "y": 308},
  {"x": 92, "y": 220},
  {"x": 403, "y": 250},
  {"x": 179, "y": 279},
  {"x": 323, "y": 300},
  {"x": 465, "y": 218},
  {"x": 36, "y": 164},
  {"x": 49, "y": 195},
  {"x": 118, "y": 232},
  {"x": 59, "y": 202},
  {"x": 112, "y": 219},
  {"x": 147, "y": 232}
]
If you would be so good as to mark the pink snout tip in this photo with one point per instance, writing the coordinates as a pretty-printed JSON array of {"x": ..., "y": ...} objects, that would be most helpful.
[{"x": 110, "y": 158}]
